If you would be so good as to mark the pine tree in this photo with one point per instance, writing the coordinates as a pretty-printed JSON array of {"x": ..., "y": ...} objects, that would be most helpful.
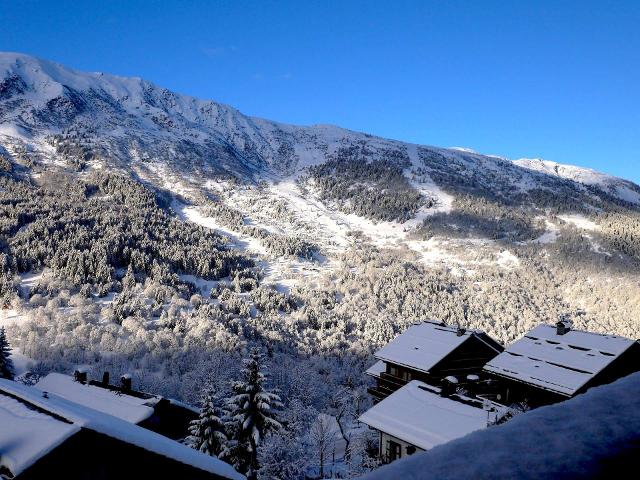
[
  {"x": 6, "y": 364},
  {"x": 252, "y": 413},
  {"x": 208, "y": 430}
]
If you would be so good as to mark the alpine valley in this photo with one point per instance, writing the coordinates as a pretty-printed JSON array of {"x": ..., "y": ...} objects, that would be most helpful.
[{"x": 149, "y": 232}]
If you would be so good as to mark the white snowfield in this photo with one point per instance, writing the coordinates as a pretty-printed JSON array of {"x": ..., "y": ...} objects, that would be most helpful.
[
  {"x": 25, "y": 436},
  {"x": 422, "y": 418},
  {"x": 559, "y": 363},
  {"x": 579, "y": 438},
  {"x": 126, "y": 407}
]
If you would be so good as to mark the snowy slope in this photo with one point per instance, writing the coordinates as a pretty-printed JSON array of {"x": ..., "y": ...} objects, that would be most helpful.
[
  {"x": 623, "y": 189},
  {"x": 130, "y": 119},
  {"x": 203, "y": 151}
]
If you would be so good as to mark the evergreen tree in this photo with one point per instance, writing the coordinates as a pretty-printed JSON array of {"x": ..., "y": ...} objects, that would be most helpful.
[
  {"x": 6, "y": 364},
  {"x": 252, "y": 413},
  {"x": 208, "y": 430}
]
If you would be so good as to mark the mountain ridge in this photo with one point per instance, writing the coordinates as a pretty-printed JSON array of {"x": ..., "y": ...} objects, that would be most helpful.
[{"x": 44, "y": 95}]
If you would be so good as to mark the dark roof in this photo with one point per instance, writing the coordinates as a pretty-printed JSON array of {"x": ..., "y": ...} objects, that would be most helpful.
[
  {"x": 424, "y": 345},
  {"x": 38, "y": 423}
]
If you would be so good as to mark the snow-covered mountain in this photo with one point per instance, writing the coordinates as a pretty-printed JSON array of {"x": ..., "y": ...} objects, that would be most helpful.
[
  {"x": 45, "y": 106},
  {"x": 149, "y": 232}
]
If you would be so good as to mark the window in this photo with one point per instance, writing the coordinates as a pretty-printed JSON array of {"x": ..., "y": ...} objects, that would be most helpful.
[{"x": 394, "y": 450}]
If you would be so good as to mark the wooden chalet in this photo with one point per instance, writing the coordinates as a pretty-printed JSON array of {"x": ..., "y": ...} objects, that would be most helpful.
[
  {"x": 431, "y": 352},
  {"x": 43, "y": 435},
  {"x": 553, "y": 363},
  {"x": 418, "y": 417}
]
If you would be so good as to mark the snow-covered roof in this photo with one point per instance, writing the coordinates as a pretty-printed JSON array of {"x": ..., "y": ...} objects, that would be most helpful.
[
  {"x": 127, "y": 407},
  {"x": 376, "y": 369},
  {"x": 27, "y": 435},
  {"x": 66, "y": 418},
  {"x": 422, "y": 418},
  {"x": 423, "y": 345},
  {"x": 559, "y": 363},
  {"x": 578, "y": 438}
]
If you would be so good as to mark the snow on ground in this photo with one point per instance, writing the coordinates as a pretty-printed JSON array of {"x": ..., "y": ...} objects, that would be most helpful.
[
  {"x": 10, "y": 316},
  {"x": 29, "y": 280},
  {"x": 334, "y": 228},
  {"x": 580, "y": 221},
  {"x": 582, "y": 175},
  {"x": 204, "y": 286},
  {"x": 550, "y": 236},
  {"x": 577, "y": 438},
  {"x": 237, "y": 239},
  {"x": 433, "y": 252},
  {"x": 21, "y": 363},
  {"x": 625, "y": 193},
  {"x": 507, "y": 259}
]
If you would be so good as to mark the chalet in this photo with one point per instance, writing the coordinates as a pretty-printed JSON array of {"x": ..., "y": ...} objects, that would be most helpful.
[
  {"x": 166, "y": 417},
  {"x": 553, "y": 363},
  {"x": 418, "y": 417},
  {"x": 430, "y": 352},
  {"x": 43, "y": 435}
]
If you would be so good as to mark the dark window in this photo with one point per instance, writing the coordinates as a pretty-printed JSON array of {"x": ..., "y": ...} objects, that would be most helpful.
[{"x": 394, "y": 450}]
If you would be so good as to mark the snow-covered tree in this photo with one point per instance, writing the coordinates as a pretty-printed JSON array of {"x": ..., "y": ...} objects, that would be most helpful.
[
  {"x": 207, "y": 432},
  {"x": 252, "y": 412},
  {"x": 6, "y": 364},
  {"x": 323, "y": 440}
]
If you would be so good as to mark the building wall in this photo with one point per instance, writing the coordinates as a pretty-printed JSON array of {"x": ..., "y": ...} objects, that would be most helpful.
[{"x": 405, "y": 447}]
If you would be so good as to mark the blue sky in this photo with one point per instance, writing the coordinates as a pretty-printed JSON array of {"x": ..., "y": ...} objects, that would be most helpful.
[{"x": 557, "y": 80}]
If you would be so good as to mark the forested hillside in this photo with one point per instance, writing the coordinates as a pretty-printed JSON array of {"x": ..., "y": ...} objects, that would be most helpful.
[{"x": 146, "y": 232}]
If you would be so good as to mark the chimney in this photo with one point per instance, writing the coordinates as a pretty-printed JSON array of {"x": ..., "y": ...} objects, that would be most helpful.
[
  {"x": 125, "y": 380},
  {"x": 80, "y": 375},
  {"x": 448, "y": 386},
  {"x": 105, "y": 378},
  {"x": 460, "y": 331},
  {"x": 563, "y": 325}
]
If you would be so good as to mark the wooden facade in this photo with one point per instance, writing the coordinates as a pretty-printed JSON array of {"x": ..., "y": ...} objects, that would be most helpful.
[
  {"x": 467, "y": 359},
  {"x": 515, "y": 391}
]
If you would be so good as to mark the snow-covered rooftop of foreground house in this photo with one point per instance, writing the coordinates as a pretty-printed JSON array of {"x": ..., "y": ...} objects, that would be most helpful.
[
  {"x": 27, "y": 434},
  {"x": 560, "y": 363},
  {"x": 423, "y": 345},
  {"x": 80, "y": 416},
  {"x": 576, "y": 438},
  {"x": 376, "y": 369},
  {"x": 127, "y": 407},
  {"x": 422, "y": 418}
]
